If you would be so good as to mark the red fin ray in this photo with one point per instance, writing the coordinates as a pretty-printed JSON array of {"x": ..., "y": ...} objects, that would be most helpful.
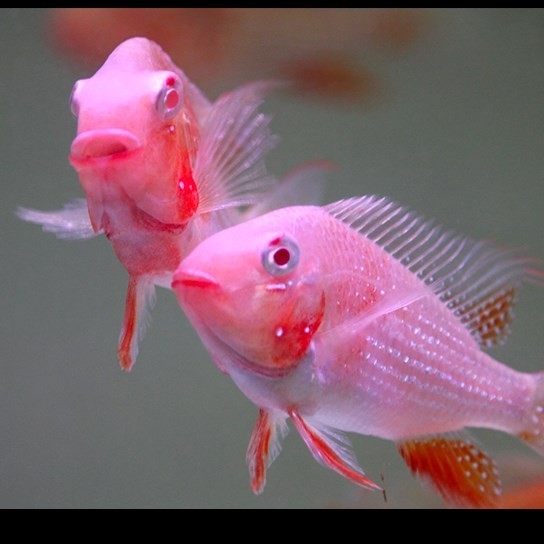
[
  {"x": 462, "y": 474},
  {"x": 264, "y": 447},
  {"x": 140, "y": 297},
  {"x": 332, "y": 450}
]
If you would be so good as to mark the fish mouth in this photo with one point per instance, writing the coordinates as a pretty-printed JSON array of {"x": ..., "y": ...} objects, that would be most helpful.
[
  {"x": 103, "y": 144},
  {"x": 194, "y": 278}
]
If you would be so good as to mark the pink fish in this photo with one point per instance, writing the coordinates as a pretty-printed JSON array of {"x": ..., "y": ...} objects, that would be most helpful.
[
  {"x": 363, "y": 317},
  {"x": 162, "y": 168}
]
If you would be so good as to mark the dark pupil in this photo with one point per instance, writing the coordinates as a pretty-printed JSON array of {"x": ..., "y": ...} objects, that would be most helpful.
[{"x": 281, "y": 256}]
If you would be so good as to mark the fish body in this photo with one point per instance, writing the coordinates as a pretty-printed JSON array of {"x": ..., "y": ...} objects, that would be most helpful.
[
  {"x": 362, "y": 317},
  {"x": 162, "y": 168}
]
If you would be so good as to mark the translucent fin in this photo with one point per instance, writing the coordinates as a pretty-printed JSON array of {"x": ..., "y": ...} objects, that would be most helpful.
[
  {"x": 139, "y": 301},
  {"x": 229, "y": 168},
  {"x": 476, "y": 280},
  {"x": 459, "y": 471},
  {"x": 302, "y": 186},
  {"x": 70, "y": 223},
  {"x": 331, "y": 449},
  {"x": 264, "y": 446},
  {"x": 533, "y": 434}
]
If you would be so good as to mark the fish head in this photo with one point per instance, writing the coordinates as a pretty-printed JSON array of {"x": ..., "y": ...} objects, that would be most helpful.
[
  {"x": 257, "y": 291},
  {"x": 136, "y": 129}
]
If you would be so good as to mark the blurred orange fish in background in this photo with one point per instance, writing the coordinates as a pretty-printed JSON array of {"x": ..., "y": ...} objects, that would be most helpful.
[{"x": 318, "y": 49}]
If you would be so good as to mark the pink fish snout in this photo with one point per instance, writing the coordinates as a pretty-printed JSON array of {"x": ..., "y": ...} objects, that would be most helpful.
[
  {"x": 193, "y": 278},
  {"x": 103, "y": 143}
]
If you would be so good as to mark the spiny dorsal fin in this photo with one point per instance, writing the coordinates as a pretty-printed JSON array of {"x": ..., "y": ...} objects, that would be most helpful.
[
  {"x": 475, "y": 279},
  {"x": 462, "y": 473},
  {"x": 229, "y": 168}
]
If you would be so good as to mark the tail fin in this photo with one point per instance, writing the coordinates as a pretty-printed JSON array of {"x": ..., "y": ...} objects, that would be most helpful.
[{"x": 533, "y": 435}]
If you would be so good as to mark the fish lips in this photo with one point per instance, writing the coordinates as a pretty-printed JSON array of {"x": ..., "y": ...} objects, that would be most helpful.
[
  {"x": 100, "y": 145},
  {"x": 193, "y": 278}
]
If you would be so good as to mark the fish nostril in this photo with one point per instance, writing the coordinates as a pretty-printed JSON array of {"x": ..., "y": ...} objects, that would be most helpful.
[{"x": 103, "y": 143}]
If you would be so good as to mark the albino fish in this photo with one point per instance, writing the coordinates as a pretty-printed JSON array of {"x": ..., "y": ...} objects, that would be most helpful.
[
  {"x": 162, "y": 168},
  {"x": 363, "y": 317}
]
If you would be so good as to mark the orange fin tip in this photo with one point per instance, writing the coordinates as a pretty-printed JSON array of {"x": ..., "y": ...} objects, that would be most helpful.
[{"x": 463, "y": 475}]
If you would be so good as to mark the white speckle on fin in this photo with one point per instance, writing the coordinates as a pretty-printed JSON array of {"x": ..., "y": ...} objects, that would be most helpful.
[
  {"x": 70, "y": 223},
  {"x": 475, "y": 279},
  {"x": 229, "y": 168},
  {"x": 463, "y": 474}
]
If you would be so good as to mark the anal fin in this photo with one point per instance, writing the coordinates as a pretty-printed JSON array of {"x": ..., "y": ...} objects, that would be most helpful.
[{"x": 459, "y": 471}]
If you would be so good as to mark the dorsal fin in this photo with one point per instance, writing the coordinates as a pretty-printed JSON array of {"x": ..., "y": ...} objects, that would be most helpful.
[{"x": 475, "y": 279}]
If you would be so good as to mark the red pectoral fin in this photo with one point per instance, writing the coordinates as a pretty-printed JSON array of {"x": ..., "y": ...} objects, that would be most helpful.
[
  {"x": 335, "y": 455},
  {"x": 264, "y": 447},
  {"x": 464, "y": 475}
]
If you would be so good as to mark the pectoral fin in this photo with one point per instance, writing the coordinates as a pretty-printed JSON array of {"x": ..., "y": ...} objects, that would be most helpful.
[
  {"x": 70, "y": 223},
  {"x": 458, "y": 470},
  {"x": 229, "y": 169}
]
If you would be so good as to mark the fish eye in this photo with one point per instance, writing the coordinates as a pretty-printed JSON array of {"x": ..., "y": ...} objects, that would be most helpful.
[
  {"x": 169, "y": 99},
  {"x": 74, "y": 102},
  {"x": 281, "y": 256}
]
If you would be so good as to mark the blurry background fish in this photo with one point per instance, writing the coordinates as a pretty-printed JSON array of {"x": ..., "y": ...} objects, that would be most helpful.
[{"x": 228, "y": 46}]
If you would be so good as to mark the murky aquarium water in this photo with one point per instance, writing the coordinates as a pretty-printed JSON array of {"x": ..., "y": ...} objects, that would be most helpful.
[{"x": 453, "y": 127}]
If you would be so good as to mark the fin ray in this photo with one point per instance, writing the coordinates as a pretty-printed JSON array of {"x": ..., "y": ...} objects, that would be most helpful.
[
  {"x": 72, "y": 222},
  {"x": 264, "y": 446},
  {"x": 140, "y": 299},
  {"x": 229, "y": 168},
  {"x": 458, "y": 470},
  {"x": 476, "y": 280},
  {"x": 331, "y": 449}
]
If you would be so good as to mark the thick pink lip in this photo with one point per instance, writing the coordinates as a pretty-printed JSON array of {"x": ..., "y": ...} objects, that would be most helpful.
[
  {"x": 193, "y": 278},
  {"x": 103, "y": 144}
]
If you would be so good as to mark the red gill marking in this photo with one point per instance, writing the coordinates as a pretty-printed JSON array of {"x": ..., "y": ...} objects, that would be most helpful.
[
  {"x": 326, "y": 455},
  {"x": 188, "y": 197},
  {"x": 170, "y": 81},
  {"x": 464, "y": 475}
]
